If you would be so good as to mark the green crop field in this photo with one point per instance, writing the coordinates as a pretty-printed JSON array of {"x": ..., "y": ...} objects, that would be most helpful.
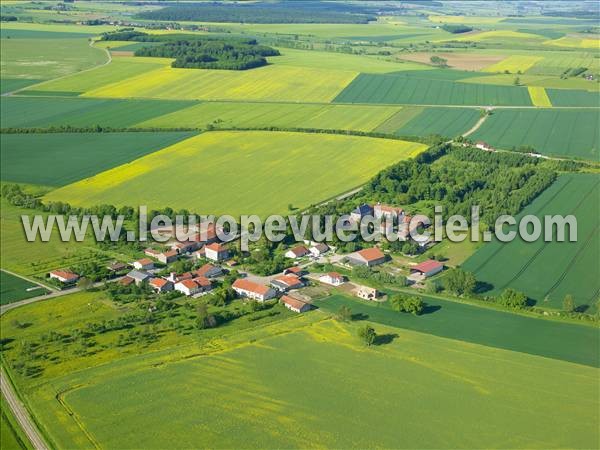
[
  {"x": 57, "y": 159},
  {"x": 246, "y": 388},
  {"x": 14, "y": 289},
  {"x": 492, "y": 328},
  {"x": 247, "y": 114},
  {"x": 562, "y": 132},
  {"x": 24, "y": 112},
  {"x": 447, "y": 122},
  {"x": 405, "y": 89},
  {"x": 11, "y": 436},
  {"x": 240, "y": 170},
  {"x": 562, "y": 97},
  {"x": 548, "y": 271}
]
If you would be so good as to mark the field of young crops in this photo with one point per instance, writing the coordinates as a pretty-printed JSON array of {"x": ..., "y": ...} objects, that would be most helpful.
[
  {"x": 563, "y": 97},
  {"x": 42, "y": 112},
  {"x": 564, "y": 132},
  {"x": 252, "y": 395},
  {"x": 447, "y": 122},
  {"x": 405, "y": 89},
  {"x": 14, "y": 289},
  {"x": 548, "y": 271},
  {"x": 57, "y": 159},
  {"x": 235, "y": 172}
]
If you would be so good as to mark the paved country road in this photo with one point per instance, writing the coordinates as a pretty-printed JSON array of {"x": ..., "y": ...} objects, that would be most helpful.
[{"x": 21, "y": 414}]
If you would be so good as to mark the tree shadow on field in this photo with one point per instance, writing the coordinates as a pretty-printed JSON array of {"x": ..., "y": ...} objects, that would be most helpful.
[
  {"x": 383, "y": 339},
  {"x": 430, "y": 309},
  {"x": 581, "y": 308},
  {"x": 359, "y": 316},
  {"x": 482, "y": 287}
]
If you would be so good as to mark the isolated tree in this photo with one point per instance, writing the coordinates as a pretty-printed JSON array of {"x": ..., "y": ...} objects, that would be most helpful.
[
  {"x": 513, "y": 299},
  {"x": 569, "y": 303},
  {"x": 407, "y": 303},
  {"x": 460, "y": 282},
  {"x": 344, "y": 314},
  {"x": 367, "y": 335},
  {"x": 517, "y": 81}
]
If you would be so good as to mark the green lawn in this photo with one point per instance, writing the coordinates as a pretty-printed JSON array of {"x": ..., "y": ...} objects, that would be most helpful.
[
  {"x": 14, "y": 289},
  {"x": 57, "y": 159},
  {"x": 547, "y": 272},
  {"x": 561, "y": 132},
  {"x": 313, "y": 384},
  {"x": 235, "y": 172}
]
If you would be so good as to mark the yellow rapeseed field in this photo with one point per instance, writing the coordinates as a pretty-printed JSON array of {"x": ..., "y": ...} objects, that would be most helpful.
[
  {"x": 514, "y": 64},
  {"x": 539, "y": 97},
  {"x": 575, "y": 42},
  {"x": 273, "y": 82},
  {"x": 467, "y": 20},
  {"x": 242, "y": 172}
]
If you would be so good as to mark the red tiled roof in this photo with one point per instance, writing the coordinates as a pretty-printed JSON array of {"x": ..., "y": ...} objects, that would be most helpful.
[
  {"x": 215, "y": 246},
  {"x": 290, "y": 280},
  {"x": 66, "y": 274},
  {"x": 300, "y": 250},
  {"x": 427, "y": 266},
  {"x": 202, "y": 281},
  {"x": 295, "y": 269},
  {"x": 335, "y": 275},
  {"x": 170, "y": 253},
  {"x": 190, "y": 284},
  {"x": 158, "y": 282},
  {"x": 371, "y": 254},
  {"x": 204, "y": 269},
  {"x": 126, "y": 281},
  {"x": 144, "y": 261},
  {"x": 250, "y": 286},
  {"x": 293, "y": 302}
]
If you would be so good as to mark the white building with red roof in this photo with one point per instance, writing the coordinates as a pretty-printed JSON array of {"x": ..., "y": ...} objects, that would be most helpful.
[
  {"x": 193, "y": 286},
  {"x": 216, "y": 252},
  {"x": 293, "y": 304},
  {"x": 143, "y": 264},
  {"x": 64, "y": 276},
  {"x": 297, "y": 252},
  {"x": 367, "y": 257},
  {"x": 427, "y": 268},
  {"x": 160, "y": 285},
  {"x": 332, "y": 278},
  {"x": 284, "y": 283},
  {"x": 250, "y": 289}
]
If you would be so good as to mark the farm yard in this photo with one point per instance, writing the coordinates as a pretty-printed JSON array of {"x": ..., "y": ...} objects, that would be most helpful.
[
  {"x": 300, "y": 108},
  {"x": 259, "y": 160},
  {"x": 548, "y": 271},
  {"x": 565, "y": 132}
]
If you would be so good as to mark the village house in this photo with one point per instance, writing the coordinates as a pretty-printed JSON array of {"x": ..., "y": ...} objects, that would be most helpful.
[
  {"x": 143, "y": 264},
  {"x": 252, "y": 290},
  {"x": 293, "y": 304},
  {"x": 295, "y": 270},
  {"x": 388, "y": 212},
  {"x": 319, "y": 249},
  {"x": 297, "y": 252},
  {"x": 284, "y": 283},
  {"x": 193, "y": 286},
  {"x": 366, "y": 292},
  {"x": 116, "y": 266},
  {"x": 139, "y": 276},
  {"x": 64, "y": 276},
  {"x": 151, "y": 253},
  {"x": 332, "y": 278},
  {"x": 363, "y": 210},
  {"x": 427, "y": 268},
  {"x": 209, "y": 271},
  {"x": 484, "y": 146},
  {"x": 216, "y": 252},
  {"x": 126, "y": 281},
  {"x": 367, "y": 257},
  {"x": 182, "y": 247},
  {"x": 160, "y": 285},
  {"x": 198, "y": 254}
]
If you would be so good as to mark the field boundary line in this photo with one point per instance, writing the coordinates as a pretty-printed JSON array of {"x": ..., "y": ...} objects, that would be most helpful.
[
  {"x": 476, "y": 127},
  {"x": 59, "y": 398}
]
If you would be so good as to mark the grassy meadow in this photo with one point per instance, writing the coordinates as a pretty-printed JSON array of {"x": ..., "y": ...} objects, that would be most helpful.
[
  {"x": 285, "y": 389},
  {"x": 548, "y": 271},
  {"x": 57, "y": 159},
  {"x": 231, "y": 172}
]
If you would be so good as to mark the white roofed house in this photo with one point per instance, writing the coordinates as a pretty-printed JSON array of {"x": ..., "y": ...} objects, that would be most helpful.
[
  {"x": 361, "y": 211},
  {"x": 249, "y": 289},
  {"x": 332, "y": 278},
  {"x": 319, "y": 249},
  {"x": 139, "y": 276}
]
